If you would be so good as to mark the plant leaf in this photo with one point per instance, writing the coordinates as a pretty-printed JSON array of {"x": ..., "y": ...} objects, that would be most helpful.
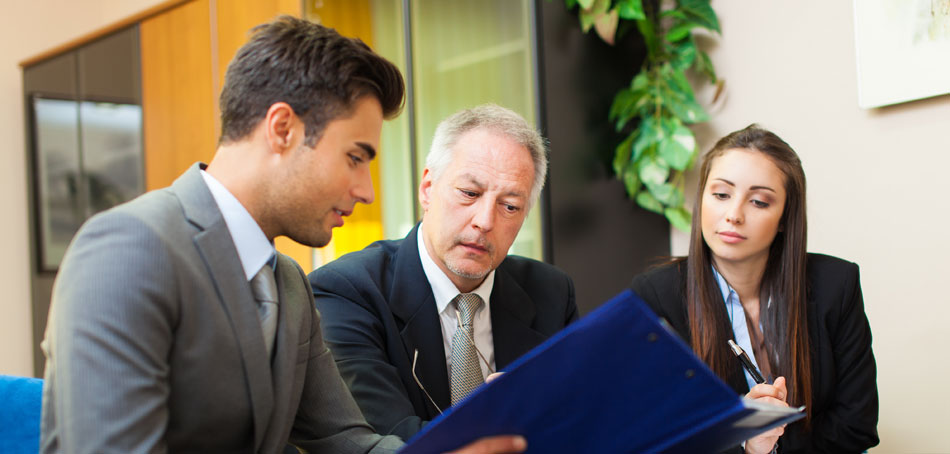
[
  {"x": 650, "y": 133},
  {"x": 570, "y": 3},
  {"x": 622, "y": 101},
  {"x": 700, "y": 12},
  {"x": 647, "y": 201},
  {"x": 626, "y": 105},
  {"x": 705, "y": 67},
  {"x": 679, "y": 218},
  {"x": 640, "y": 81},
  {"x": 649, "y": 37},
  {"x": 680, "y": 30},
  {"x": 631, "y": 182},
  {"x": 606, "y": 26},
  {"x": 661, "y": 192},
  {"x": 684, "y": 54},
  {"x": 674, "y": 13},
  {"x": 679, "y": 99},
  {"x": 589, "y": 15},
  {"x": 623, "y": 152},
  {"x": 585, "y": 4},
  {"x": 631, "y": 9},
  {"x": 653, "y": 170},
  {"x": 678, "y": 146}
]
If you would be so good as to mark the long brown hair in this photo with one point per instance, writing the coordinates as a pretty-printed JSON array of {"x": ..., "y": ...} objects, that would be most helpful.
[{"x": 785, "y": 321}]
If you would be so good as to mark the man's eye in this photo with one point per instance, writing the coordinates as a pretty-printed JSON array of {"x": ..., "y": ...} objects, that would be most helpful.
[
  {"x": 469, "y": 194},
  {"x": 511, "y": 208},
  {"x": 357, "y": 159}
]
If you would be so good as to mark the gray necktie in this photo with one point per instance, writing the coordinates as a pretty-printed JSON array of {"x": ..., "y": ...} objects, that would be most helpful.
[
  {"x": 466, "y": 372},
  {"x": 264, "y": 287}
]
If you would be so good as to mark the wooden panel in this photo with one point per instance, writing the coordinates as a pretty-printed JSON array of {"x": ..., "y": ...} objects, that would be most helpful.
[
  {"x": 352, "y": 18},
  {"x": 177, "y": 95},
  {"x": 235, "y": 19}
]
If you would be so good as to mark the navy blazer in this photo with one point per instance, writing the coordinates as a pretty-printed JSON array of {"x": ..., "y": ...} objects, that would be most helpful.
[
  {"x": 844, "y": 375},
  {"x": 377, "y": 309}
]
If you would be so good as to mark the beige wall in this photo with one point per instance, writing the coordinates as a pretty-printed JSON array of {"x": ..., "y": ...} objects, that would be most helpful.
[
  {"x": 29, "y": 28},
  {"x": 877, "y": 184}
]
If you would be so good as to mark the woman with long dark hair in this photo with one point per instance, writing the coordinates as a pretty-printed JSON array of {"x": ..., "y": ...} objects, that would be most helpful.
[{"x": 748, "y": 278}]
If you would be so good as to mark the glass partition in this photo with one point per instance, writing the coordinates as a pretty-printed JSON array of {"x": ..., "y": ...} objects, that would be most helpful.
[{"x": 462, "y": 54}]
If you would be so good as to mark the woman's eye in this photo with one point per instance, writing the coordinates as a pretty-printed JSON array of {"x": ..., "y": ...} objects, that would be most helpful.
[
  {"x": 720, "y": 195},
  {"x": 760, "y": 204}
]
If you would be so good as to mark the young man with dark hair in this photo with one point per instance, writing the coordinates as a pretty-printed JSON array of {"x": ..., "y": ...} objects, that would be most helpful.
[{"x": 175, "y": 326}]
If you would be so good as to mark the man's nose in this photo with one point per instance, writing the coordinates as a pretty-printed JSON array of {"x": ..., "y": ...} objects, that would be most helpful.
[{"x": 484, "y": 217}]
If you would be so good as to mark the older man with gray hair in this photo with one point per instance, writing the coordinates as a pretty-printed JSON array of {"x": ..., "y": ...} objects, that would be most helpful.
[{"x": 416, "y": 324}]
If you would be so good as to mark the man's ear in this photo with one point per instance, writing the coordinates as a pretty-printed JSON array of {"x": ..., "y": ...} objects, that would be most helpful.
[
  {"x": 281, "y": 127},
  {"x": 425, "y": 189}
]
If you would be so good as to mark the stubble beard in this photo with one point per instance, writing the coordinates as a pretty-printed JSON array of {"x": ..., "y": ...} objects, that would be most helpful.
[{"x": 473, "y": 275}]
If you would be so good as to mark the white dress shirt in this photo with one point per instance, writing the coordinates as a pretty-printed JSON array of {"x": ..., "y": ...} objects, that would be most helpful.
[
  {"x": 252, "y": 246},
  {"x": 444, "y": 292}
]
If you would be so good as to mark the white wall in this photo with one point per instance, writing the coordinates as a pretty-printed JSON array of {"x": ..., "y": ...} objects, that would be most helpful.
[
  {"x": 29, "y": 28},
  {"x": 877, "y": 189}
]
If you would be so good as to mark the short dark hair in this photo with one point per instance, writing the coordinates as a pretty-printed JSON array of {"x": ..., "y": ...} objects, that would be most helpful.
[{"x": 319, "y": 73}]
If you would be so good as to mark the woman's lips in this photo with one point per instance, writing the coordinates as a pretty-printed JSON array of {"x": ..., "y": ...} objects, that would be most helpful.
[{"x": 730, "y": 237}]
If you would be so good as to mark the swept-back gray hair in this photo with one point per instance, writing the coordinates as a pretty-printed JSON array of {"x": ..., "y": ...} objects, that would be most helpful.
[{"x": 493, "y": 118}]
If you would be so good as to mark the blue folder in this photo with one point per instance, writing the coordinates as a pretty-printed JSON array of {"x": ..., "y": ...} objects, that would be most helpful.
[{"x": 616, "y": 381}]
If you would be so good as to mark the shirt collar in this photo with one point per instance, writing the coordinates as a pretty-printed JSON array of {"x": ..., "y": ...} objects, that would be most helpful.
[
  {"x": 252, "y": 246},
  {"x": 724, "y": 286},
  {"x": 443, "y": 289}
]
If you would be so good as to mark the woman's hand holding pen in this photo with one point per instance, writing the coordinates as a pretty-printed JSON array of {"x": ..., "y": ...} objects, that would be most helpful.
[{"x": 771, "y": 394}]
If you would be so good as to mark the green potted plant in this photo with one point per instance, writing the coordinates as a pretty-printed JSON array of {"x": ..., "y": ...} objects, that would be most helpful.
[{"x": 653, "y": 113}]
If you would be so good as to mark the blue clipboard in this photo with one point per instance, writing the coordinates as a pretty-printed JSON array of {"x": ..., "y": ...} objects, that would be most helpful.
[{"x": 616, "y": 381}]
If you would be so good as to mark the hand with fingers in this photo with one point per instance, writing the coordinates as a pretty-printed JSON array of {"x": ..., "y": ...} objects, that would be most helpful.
[
  {"x": 774, "y": 394},
  {"x": 502, "y": 444}
]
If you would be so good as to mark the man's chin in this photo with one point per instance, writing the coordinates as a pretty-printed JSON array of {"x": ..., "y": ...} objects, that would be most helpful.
[
  {"x": 470, "y": 271},
  {"x": 315, "y": 239}
]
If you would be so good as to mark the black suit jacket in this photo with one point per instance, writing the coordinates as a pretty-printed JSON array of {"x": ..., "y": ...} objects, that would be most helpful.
[
  {"x": 377, "y": 309},
  {"x": 844, "y": 375}
]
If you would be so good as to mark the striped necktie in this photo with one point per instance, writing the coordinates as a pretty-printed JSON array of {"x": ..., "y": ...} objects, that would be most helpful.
[{"x": 466, "y": 372}]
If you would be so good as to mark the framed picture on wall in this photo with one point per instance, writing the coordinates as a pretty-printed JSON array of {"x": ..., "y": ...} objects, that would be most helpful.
[
  {"x": 902, "y": 49},
  {"x": 87, "y": 157}
]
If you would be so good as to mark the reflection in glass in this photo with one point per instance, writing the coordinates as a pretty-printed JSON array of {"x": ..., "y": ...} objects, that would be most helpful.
[
  {"x": 61, "y": 211},
  {"x": 88, "y": 159},
  {"x": 112, "y": 153}
]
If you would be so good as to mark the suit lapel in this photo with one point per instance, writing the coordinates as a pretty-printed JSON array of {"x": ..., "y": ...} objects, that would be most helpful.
[
  {"x": 512, "y": 316},
  {"x": 216, "y": 247},
  {"x": 412, "y": 303}
]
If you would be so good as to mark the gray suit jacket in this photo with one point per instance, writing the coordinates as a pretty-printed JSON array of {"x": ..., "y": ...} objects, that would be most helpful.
[{"x": 154, "y": 343}]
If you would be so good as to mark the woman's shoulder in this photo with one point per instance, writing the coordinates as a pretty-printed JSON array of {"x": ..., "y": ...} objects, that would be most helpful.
[
  {"x": 822, "y": 266},
  {"x": 833, "y": 284},
  {"x": 668, "y": 271}
]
